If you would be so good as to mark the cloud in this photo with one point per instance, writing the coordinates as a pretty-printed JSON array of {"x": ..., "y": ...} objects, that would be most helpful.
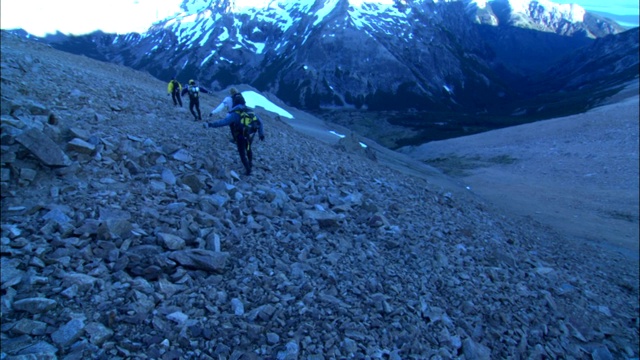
[{"x": 40, "y": 17}]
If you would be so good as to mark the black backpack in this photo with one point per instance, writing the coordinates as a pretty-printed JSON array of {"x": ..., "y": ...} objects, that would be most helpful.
[
  {"x": 193, "y": 91},
  {"x": 237, "y": 99}
]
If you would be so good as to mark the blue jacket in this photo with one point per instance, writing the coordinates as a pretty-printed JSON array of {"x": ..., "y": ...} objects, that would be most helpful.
[{"x": 233, "y": 118}]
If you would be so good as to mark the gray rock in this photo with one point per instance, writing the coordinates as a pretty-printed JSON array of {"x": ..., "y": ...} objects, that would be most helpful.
[
  {"x": 35, "y": 305},
  {"x": 15, "y": 344},
  {"x": 68, "y": 333},
  {"x": 43, "y": 148},
  {"x": 81, "y": 146},
  {"x": 82, "y": 281},
  {"x": 98, "y": 333},
  {"x": 57, "y": 215},
  {"x": 237, "y": 306},
  {"x": 182, "y": 155},
  {"x": 193, "y": 182},
  {"x": 39, "y": 350},
  {"x": 79, "y": 133},
  {"x": 168, "y": 177},
  {"x": 213, "y": 202},
  {"x": 201, "y": 259},
  {"x": 601, "y": 353},
  {"x": 474, "y": 350},
  {"x": 27, "y": 174},
  {"x": 178, "y": 317},
  {"x": 273, "y": 338},
  {"x": 171, "y": 242},
  {"x": 29, "y": 327},
  {"x": 10, "y": 275},
  {"x": 324, "y": 218}
]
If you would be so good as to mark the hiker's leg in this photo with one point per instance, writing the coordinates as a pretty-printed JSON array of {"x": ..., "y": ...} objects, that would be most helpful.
[
  {"x": 241, "y": 142},
  {"x": 191, "y": 105},
  {"x": 234, "y": 133},
  {"x": 198, "y": 108}
]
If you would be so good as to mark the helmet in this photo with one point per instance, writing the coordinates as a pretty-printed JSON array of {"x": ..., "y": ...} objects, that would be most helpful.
[
  {"x": 233, "y": 91},
  {"x": 192, "y": 82}
]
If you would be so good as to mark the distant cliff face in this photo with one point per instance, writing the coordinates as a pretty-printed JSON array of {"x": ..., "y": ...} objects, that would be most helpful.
[{"x": 448, "y": 56}]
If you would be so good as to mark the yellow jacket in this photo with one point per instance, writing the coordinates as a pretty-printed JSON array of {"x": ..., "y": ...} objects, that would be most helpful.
[{"x": 171, "y": 85}]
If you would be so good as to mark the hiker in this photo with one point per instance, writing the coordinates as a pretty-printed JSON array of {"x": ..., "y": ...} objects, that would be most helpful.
[
  {"x": 244, "y": 124},
  {"x": 226, "y": 104},
  {"x": 174, "y": 88},
  {"x": 194, "y": 98}
]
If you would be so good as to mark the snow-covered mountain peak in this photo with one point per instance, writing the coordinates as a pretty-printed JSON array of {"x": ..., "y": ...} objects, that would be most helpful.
[
  {"x": 570, "y": 12},
  {"x": 539, "y": 9}
]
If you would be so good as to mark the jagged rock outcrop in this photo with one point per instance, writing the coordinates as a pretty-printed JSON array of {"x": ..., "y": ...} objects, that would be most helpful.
[{"x": 149, "y": 245}]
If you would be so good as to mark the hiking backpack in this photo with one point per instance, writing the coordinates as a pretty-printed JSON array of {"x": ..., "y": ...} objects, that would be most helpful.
[
  {"x": 248, "y": 122},
  {"x": 193, "y": 91}
]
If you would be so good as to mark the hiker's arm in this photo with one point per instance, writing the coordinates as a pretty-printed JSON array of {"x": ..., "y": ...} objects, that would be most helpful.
[
  {"x": 220, "y": 123},
  {"x": 228, "y": 103},
  {"x": 218, "y": 108}
]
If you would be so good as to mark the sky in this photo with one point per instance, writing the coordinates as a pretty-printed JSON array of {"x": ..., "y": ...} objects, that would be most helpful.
[
  {"x": 123, "y": 16},
  {"x": 84, "y": 16}
]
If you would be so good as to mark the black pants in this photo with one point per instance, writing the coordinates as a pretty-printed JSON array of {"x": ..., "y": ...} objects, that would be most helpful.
[
  {"x": 244, "y": 149},
  {"x": 177, "y": 99},
  {"x": 195, "y": 103}
]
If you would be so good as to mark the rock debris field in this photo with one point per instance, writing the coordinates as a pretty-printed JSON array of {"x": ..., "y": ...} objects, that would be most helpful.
[{"x": 128, "y": 233}]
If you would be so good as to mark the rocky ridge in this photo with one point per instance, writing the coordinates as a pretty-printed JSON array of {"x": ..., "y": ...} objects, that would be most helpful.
[{"x": 128, "y": 233}]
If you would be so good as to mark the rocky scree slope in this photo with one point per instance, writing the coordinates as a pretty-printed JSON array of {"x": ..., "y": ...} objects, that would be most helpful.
[{"x": 127, "y": 233}]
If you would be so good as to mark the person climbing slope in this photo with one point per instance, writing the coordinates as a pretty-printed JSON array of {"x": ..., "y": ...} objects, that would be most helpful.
[
  {"x": 227, "y": 104},
  {"x": 194, "y": 98},
  {"x": 174, "y": 88},
  {"x": 244, "y": 124}
]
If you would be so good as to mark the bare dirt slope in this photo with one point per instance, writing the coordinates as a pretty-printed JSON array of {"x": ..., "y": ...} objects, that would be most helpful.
[{"x": 578, "y": 174}]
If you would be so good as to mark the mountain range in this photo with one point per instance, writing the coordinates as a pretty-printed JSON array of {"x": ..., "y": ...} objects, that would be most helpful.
[{"x": 501, "y": 58}]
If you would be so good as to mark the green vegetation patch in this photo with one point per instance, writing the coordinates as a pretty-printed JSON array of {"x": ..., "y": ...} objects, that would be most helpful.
[
  {"x": 619, "y": 215},
  {"x": 503, "y": 159},
  {"x": 461, "y": 166}
]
